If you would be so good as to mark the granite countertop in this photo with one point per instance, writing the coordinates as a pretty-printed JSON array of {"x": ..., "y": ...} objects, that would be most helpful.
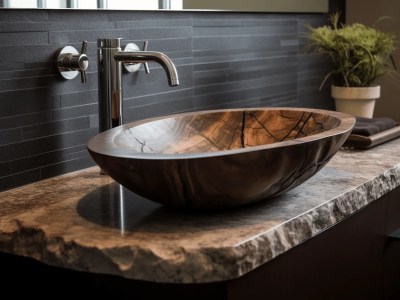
[{"x": 85, "y": 221}]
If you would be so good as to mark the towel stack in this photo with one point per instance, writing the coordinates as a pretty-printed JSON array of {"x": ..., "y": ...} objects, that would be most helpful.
[
  {"x": 371, "y": 126},
  {"x": 369, "y": 132}
]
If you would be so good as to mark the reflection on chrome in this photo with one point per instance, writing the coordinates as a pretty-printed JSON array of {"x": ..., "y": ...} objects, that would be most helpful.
[{"x": 121, "y": 210}]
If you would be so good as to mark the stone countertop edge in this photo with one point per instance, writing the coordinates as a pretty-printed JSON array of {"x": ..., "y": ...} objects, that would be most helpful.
[
  {"x": 24, "y": 231},
  {"x": 293, "y": 232}
]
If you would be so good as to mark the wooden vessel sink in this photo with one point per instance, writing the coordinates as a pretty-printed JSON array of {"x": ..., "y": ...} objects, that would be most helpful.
[{"x": 221, "y": 158}]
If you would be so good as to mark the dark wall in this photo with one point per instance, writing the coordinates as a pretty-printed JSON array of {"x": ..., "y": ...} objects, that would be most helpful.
[{"x": 223, "y": 60}]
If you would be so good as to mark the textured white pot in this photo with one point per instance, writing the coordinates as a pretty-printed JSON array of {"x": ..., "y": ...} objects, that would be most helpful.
[{"x": 357, "y": 101}]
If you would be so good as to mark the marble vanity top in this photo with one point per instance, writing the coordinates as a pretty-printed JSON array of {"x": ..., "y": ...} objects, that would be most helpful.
[{"x": 85, "y": 221}]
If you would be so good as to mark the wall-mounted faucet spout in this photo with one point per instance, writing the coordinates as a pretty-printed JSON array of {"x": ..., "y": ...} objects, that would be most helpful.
[
  {"x": 110, "y": 59},
  {"x": 148, "y": 56}
]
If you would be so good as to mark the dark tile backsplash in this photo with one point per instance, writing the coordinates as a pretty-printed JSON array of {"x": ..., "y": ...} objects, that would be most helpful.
[{"x": 223, "y": 59}]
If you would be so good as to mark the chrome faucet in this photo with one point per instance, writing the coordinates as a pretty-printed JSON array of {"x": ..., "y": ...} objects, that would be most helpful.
[{"x": 110, "y": 60}]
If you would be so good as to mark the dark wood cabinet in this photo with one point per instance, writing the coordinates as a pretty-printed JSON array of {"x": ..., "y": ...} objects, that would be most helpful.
[{"x": 359, "y": 258}]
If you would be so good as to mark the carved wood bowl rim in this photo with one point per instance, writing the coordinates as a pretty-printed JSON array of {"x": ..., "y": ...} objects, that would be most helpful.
[{"x": 103, "y": 143}]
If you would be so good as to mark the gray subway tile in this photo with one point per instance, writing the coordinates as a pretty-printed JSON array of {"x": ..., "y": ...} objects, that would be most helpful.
[
  {"x": 162, "y": 108},
  {"x": 37, "y": 72},
  {"x": 147, "y": 15},
  {"x": 52, "y": 128},
  {"x": 24, "y": 38},
  {"x": 46, "y": 159},
  {"x": 168, "y": 45},
  {"x": 10, "y": 136},
  {"x": 272, "y": 80},
  {"x": 33, "y": 53},
  {"x": 165, "y": 97},
  {"x": 66, "y": 167},
  {"x": 54, "y": 26},
  {"x": 25, "y": 120},
  {"x": 76, "y": 36},
  {"x": 277, "y": 29},
  {"x": 11, "y": 66},
  {"x": 23, "y": 15},
  {"x": 71, "y": 15},
  {"x": 48, "y": 116},
  {"x": 74, "y": 111},
  {"x": 225, "y": 96},
  {"x": 46, "y": 144},
  {"x": 25, "y": 102},
  {"x": 79, "y": 98},
  {"x": 240, "y": 42},
  {"x": 154, "y": 23},
  {"x": 18, "y": 179}
]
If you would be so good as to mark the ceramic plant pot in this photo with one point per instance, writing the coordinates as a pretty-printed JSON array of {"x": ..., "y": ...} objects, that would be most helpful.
[{"x": 357, "y": 101}]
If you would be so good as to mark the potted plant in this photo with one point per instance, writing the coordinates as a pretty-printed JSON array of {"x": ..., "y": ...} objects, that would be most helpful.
[{"x": 358, "y": 55}]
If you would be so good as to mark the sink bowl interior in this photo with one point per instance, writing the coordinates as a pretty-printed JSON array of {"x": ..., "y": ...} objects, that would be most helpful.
[
  {"x": 222, "y": 130},
  {"x": 221, "y": 158}
]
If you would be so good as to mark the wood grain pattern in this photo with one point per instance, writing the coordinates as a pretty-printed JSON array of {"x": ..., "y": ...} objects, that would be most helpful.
[
  {"x": 218, "y": 131},
  {"x": 223, "y": 158}
]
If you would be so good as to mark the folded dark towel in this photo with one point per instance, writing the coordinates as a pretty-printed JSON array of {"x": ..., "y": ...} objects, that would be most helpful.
[{"x": 368, "y": 127}]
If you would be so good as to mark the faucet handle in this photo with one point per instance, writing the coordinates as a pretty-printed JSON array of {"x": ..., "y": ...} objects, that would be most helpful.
[
  {"x": 146, "y": 65},
  {"x": 70, "y": 62},
  {"x": 134, "y": 67},
  {"x": 83, "y": 61}
]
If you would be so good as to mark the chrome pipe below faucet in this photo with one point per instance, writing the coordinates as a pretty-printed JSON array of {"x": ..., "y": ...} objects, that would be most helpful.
[
  {"x": 110, "y": 59},
  {"x": 110, "y": 84}
]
